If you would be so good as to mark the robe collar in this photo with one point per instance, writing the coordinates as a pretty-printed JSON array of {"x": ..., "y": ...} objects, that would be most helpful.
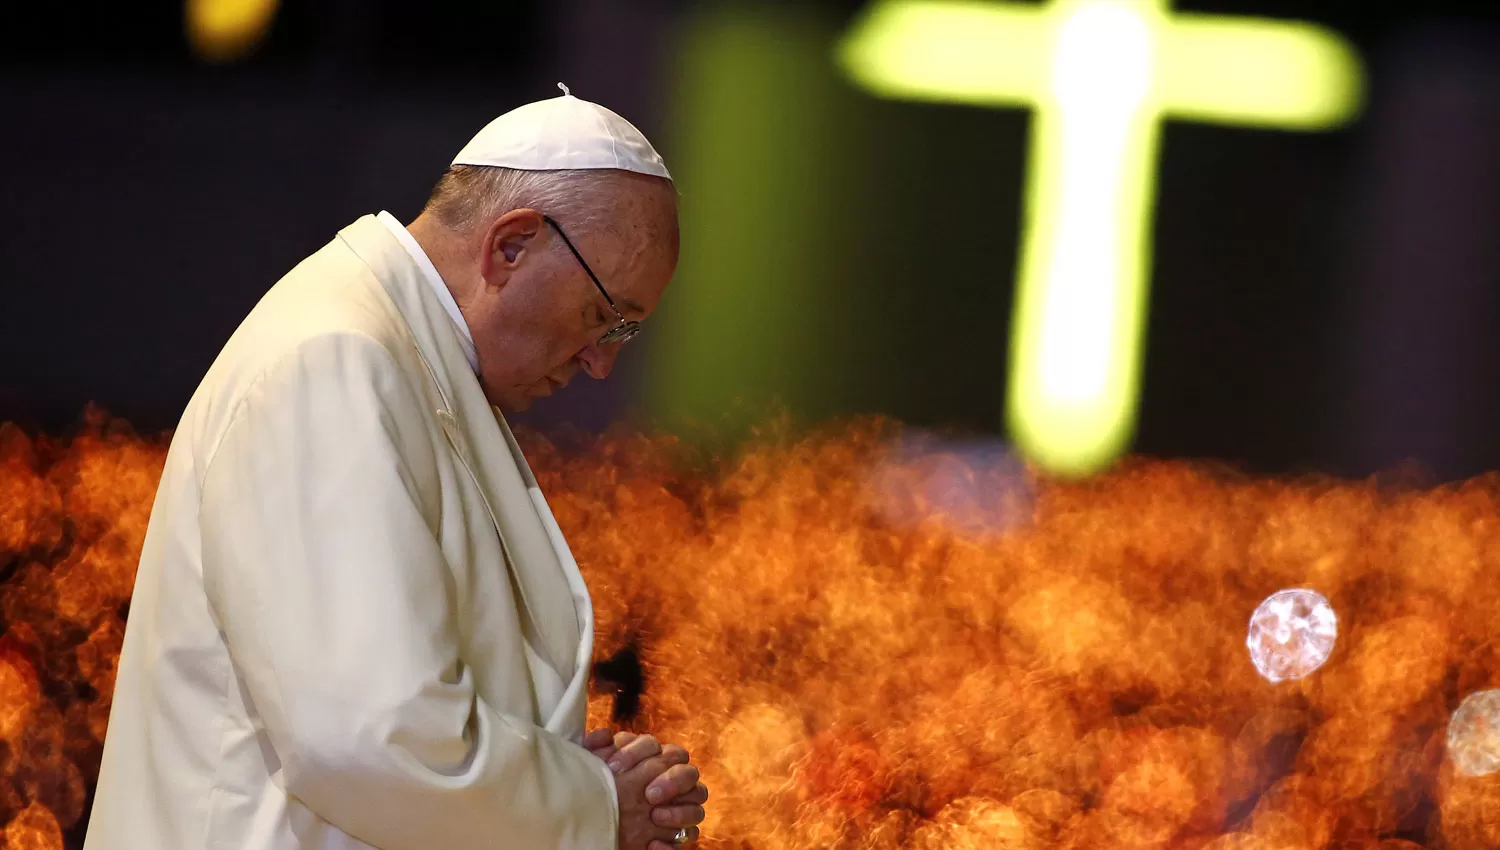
[
  {"x": 435, "y": 281},
  {"x": 482, "y": 441}
]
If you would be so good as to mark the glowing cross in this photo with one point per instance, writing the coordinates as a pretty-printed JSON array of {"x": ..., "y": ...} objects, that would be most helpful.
[{"x": 1101, "y": 74}]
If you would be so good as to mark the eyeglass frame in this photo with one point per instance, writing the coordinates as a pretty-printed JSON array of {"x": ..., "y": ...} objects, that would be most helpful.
[{"x": 625, "y": 329}]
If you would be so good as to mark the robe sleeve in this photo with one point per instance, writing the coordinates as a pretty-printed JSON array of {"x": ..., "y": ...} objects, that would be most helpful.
[{"x": 321, "y": 564}]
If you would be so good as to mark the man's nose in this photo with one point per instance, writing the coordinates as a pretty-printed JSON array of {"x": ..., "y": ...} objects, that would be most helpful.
[{"x": 598, "y": 360}]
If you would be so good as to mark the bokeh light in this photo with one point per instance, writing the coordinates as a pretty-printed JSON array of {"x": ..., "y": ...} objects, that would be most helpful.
[
  {"x": 1474, "y": 734},
  {"x": 1291, "y": 634}
]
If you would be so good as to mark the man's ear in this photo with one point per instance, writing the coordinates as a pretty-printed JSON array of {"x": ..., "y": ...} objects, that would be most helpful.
[{"x": 504, "y": 244}]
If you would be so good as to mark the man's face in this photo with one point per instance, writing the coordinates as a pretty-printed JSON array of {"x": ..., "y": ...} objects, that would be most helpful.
[{"x": 538, "y": 319}]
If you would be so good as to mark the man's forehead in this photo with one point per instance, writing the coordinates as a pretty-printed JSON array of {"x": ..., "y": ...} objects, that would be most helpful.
[{"x": 636, "y": 274}]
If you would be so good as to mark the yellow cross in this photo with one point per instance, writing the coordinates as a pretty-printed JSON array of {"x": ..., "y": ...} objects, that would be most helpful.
[{"x": 1101, "y": 75}]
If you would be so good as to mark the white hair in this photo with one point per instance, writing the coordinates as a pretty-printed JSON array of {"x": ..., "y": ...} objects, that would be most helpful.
[{"x": 470, "y": 195}]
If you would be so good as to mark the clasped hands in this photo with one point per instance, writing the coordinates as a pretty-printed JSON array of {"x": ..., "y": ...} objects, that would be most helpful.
[{"x": 658, "y": 790}]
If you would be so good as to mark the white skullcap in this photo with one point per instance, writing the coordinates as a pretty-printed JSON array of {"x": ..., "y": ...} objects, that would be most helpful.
[{"x": 562, "y": 133}]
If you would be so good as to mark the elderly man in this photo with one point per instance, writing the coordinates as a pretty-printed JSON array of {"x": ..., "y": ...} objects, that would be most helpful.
[{"x": 356, "y": 623}]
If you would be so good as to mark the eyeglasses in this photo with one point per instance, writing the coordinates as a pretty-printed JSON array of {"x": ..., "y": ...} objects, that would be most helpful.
[{"x": 624, "y": 329}]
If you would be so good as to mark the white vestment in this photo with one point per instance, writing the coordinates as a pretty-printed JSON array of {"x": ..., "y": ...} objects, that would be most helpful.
[{"x": 355, "y": 622}]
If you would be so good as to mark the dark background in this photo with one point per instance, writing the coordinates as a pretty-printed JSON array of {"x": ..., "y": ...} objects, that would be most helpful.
[{"x": 1320, "y": 302}]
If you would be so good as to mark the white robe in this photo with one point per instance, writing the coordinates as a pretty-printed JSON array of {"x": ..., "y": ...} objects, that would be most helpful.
[{"x": 355, "y": 622}]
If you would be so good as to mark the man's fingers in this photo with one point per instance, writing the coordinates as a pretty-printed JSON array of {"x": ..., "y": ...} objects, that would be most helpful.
[
  {"x": 633, "y": 753},
  {"x": 601, "y": 742},
  {"x": 673, "y": 782},
  {"x": 698, "y": 795},
  {"x": 673, "y": 815},
  {"x": 611, "y": 742}
]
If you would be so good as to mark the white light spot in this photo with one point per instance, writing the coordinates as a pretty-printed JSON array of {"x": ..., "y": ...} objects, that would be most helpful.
[
  {"x": 1291, "y": 634},
  {"x": 1474, "y": 734}
]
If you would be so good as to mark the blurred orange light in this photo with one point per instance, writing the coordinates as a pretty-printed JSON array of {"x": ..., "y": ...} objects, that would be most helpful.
[{"x": 226, "y": 30}]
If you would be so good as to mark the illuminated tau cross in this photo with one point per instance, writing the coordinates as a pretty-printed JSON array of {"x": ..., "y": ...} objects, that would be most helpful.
[{"x": 1101, "y": 75}]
